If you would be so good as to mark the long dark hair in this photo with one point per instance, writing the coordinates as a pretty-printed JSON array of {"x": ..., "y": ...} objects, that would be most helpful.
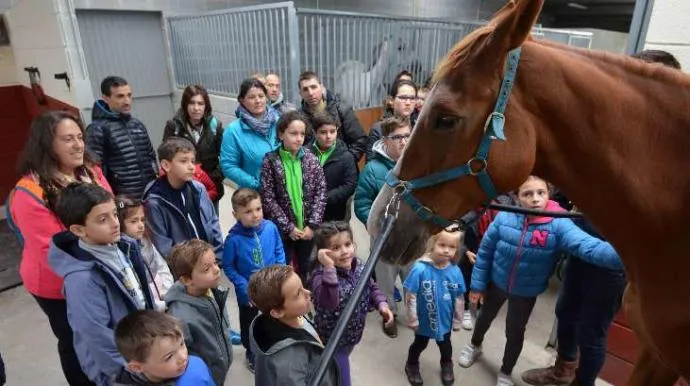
[
  {"x": 38, "y": 157},
  {"x": 190, "y": 92}
]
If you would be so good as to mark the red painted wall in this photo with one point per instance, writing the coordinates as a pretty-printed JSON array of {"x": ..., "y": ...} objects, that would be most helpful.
[{"x": 18, "y": 107}]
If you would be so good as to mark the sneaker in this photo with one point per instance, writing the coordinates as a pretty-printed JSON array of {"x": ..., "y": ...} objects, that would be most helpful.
[
  {"x": 447, "y": 376},
  {"x": 468, "y": 355},
  {"x": 235, "y": 338},
  {"x": 467, "y": 321},
  {"x": 392, "y": 330},
  {"x": 413, "y": 375},
  {"x": 504, "y": 380},
  {"x": 397, "y": 296}
]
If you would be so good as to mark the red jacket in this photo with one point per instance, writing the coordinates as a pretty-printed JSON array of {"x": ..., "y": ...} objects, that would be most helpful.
[{"x": 37, "y": 225}]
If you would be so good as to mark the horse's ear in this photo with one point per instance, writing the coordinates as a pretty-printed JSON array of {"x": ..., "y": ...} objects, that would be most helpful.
[{"x": 513, "y": 24}]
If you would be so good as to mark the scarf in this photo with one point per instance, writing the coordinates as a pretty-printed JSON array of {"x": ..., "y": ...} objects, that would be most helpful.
[
  {"x": 293, "y": 183},
  {"x": 260, "y": 126}
]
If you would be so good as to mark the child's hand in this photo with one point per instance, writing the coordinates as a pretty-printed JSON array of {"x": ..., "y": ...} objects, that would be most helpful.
[
  {"x": 325, "y": 258},
  {"x": 472, "y": 256},
  {"x": 476, "y": 297},
  {"x": 295, "y": 234},
  {"x": 307, "y": 234},
  {"x": 386, "y": 314}
]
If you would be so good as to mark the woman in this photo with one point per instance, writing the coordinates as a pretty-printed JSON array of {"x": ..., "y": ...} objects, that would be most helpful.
[
  {"x": 195, "y": 122},
  {"x": 247, "y": 139},
  {"x": 53, "y": 157},
  {"x": 403, "y": 104}
]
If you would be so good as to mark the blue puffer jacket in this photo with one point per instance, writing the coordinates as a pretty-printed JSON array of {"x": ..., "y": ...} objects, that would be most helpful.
[
  {"x": 519, "y": 254},
  {"x": 242, "y": 152},
  {"x": 371, "y": 180}
]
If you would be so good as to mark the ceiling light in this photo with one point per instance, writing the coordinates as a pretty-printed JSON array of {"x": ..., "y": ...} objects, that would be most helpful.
[{"x": 577, "y": 6}]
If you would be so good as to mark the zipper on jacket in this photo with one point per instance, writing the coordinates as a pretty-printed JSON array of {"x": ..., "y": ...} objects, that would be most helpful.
[
  {"x": 513, "y": 269},
  {"x": 219, "y": 314}
]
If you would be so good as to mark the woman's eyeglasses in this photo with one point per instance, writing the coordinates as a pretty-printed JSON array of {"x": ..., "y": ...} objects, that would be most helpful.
[
  {"x": 409, "y": 98},
  {"x": 398, "y": 137}
]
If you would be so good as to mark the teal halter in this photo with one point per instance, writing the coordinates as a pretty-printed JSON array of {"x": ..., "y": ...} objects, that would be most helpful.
[{"x": 493, "y": 129}]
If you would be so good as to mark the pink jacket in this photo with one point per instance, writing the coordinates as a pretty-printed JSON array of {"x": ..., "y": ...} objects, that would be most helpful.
[{"x": 37, "y": 225}]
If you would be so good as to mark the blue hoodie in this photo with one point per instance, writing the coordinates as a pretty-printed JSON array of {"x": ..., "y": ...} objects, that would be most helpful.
[
  {"x": 247, "y": 250},
  {"x": 436, "y": 290},
  {"x": 96, "y": 301},
  {"x": 519, "y": 254},
  {"x": 169, "y": 225},
  {"x": 242, "y": 152}
]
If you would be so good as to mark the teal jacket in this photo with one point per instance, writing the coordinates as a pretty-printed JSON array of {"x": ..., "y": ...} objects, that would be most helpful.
[
  {"x": 371, "y": 180},
  {"x": 242, "y": 152}
]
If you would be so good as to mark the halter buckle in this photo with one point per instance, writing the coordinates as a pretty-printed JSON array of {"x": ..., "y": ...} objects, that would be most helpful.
[{"x": 483, "y": 164}]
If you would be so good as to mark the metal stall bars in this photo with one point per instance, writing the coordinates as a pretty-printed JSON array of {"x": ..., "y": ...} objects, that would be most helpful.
[{"x": 219, "y": 49}]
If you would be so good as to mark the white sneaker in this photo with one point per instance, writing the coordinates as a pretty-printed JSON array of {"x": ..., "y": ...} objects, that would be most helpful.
[
  {"x": 504, "y": 380},
  {"x": 468, "y": 355},
  {"x": 467, "y": 321}
]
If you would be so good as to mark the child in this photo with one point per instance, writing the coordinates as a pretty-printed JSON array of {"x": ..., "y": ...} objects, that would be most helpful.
[
  {"x": 199, "y": 303},
  {"x": 333, "y": 282},
  {"x": 130, "y": 213},
  {"x": 153, "y": 346},
  {"x": 104, "y": 276},
  {"x": 339, "y": 167},
  {"x": 285, "y": 344},
  {"x": 435, "y": 303},
  {"x": 396, "y": 132},
  {"x": 252, "y": 243},
  {"x": 178, "y": 207},
  {"x": 516, "y": 258},
  {"x": 293, "y": 189}
]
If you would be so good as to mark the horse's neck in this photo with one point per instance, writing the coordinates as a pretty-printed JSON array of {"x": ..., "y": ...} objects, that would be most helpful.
[
  {"x": 614, "y": 139},
  {"x": 377, "y": 71}
]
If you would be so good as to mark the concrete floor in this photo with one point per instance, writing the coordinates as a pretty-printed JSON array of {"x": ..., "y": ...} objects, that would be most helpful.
[{"x": 29, "y": 348}]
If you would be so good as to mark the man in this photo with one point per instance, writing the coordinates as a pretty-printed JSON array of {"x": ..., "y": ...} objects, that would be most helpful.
[
  {"x": 315, "y": 98},
  {"x": 589, "y": 300},
  {"x": 275, "y": 94},
  {"x": 120, "y": 141}
]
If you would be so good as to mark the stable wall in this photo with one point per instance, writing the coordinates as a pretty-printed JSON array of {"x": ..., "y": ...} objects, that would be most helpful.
[{"x": 669, "y": 29}]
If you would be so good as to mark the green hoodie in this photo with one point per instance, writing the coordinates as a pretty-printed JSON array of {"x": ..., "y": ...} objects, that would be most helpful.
[{"x": 293, "y": 182}]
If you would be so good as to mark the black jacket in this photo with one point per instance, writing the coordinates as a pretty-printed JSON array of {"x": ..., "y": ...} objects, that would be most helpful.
[
  {"x": 122, "y": 144},
  {"x": 341, "y": 172},
  {"x": 208, "y": 147},
  {"x": 349, "y": 128}
]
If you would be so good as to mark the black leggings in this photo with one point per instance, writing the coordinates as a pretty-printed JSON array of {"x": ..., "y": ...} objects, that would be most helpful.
[
  {"x": 247, "y": 315},
  {"x": 519, "y": 311},
  {"x": 298, "y": 254},
  {"x": 56, "y": 310},
  {"x": 420, "y": 343}
]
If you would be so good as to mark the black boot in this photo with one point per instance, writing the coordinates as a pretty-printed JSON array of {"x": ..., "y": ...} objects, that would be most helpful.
[
  {"x": 447, "y": 375},
  {"x": 413, "y": 375}
]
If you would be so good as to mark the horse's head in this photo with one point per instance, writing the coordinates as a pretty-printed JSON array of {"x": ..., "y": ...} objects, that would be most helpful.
[{"x": 451, "y": 129}]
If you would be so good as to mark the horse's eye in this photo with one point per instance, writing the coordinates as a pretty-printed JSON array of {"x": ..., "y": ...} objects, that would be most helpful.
[{"x": 446, "y": 122}]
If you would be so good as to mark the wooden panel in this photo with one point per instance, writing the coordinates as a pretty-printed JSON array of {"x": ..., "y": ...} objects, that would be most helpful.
[
  {"x": 367, "y": 118},
  {"x": 616, "y": 371},
  {"x": 622, "y": 343}
]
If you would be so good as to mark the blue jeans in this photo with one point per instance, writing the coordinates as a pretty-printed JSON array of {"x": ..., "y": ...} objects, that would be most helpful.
[{"x": 588, "y": 302}]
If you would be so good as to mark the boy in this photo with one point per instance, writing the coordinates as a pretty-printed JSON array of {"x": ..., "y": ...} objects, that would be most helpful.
[
  {"x": 199, "y": 303},
  {"x": 153, "y": 346},
  {"x": 285, "y": 344},
  {"x": 104, "y": 276},
  {"x": 252, "y": 243},
  {"x": 178, "y": 207}
]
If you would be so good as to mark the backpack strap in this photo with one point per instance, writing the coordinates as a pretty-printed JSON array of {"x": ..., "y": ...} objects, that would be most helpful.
[{"x": 34, "y": 190}]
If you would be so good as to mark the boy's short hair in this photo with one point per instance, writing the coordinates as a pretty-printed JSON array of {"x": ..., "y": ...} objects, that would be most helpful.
[
  {"x": 173, "y": 145},
  {"x": 322, "y": 118},
  {"x": 307, "y": 75},
  {"x": 136, "y": 333},
  {"x": 266, "y": 287},
  {"x": 75, "y": 201},
  {"x": 184, "y": 256},
  {"x": 242, "y": 197},
  {"x": 389, "y": 125}
]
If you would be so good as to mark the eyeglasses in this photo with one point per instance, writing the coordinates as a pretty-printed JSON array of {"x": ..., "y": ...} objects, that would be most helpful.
[
  {"x": 398, "y": 137},
  {"x": 407, "y": 97}
]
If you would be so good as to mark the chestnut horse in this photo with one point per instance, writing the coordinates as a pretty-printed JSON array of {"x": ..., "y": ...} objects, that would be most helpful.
[{"x": 610, "y": 131}]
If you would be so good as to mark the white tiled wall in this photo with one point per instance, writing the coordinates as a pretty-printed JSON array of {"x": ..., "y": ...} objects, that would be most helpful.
[
  {"x": 669, "y": 29},
  {"x": 8, "y": 67}
]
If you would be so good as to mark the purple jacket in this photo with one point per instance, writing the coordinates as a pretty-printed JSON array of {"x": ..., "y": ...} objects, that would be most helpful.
[
  {"x": 332, "y": 289},
  {"x": 276, "y": 201}
]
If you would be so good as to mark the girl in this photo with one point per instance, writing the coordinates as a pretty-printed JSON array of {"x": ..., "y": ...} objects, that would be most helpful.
[
  {"x": 516, "y": 258},
  {"x": 131, "y": 215},
  {"x": 434, "y": 292},
  {"x": 293, "y": 189},
  {"x": 332, "y": 284},
  {"x": 339, "y": 167}
]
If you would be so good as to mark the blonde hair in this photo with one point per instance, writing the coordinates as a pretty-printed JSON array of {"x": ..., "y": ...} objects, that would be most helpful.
[{"x": 456, "y": 234}]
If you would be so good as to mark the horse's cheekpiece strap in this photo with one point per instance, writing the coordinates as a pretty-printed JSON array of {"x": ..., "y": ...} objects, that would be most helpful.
[{"x": 493, "y": 130}]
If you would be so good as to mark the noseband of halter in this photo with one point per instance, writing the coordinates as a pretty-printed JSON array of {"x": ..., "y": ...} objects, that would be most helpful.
[{"x": 475, "y": 166}]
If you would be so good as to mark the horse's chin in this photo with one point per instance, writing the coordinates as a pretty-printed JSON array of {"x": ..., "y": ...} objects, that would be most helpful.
[{"x": 408, "y": 238}]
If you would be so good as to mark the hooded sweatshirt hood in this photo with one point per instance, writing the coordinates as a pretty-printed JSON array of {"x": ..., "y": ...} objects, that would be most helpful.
[
  {"x": 379, "y": 150},
  {"x": 551, "y": 206}
]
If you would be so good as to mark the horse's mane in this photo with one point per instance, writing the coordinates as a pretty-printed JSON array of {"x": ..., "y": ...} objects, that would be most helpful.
[{"x": 459, "y": 53}]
